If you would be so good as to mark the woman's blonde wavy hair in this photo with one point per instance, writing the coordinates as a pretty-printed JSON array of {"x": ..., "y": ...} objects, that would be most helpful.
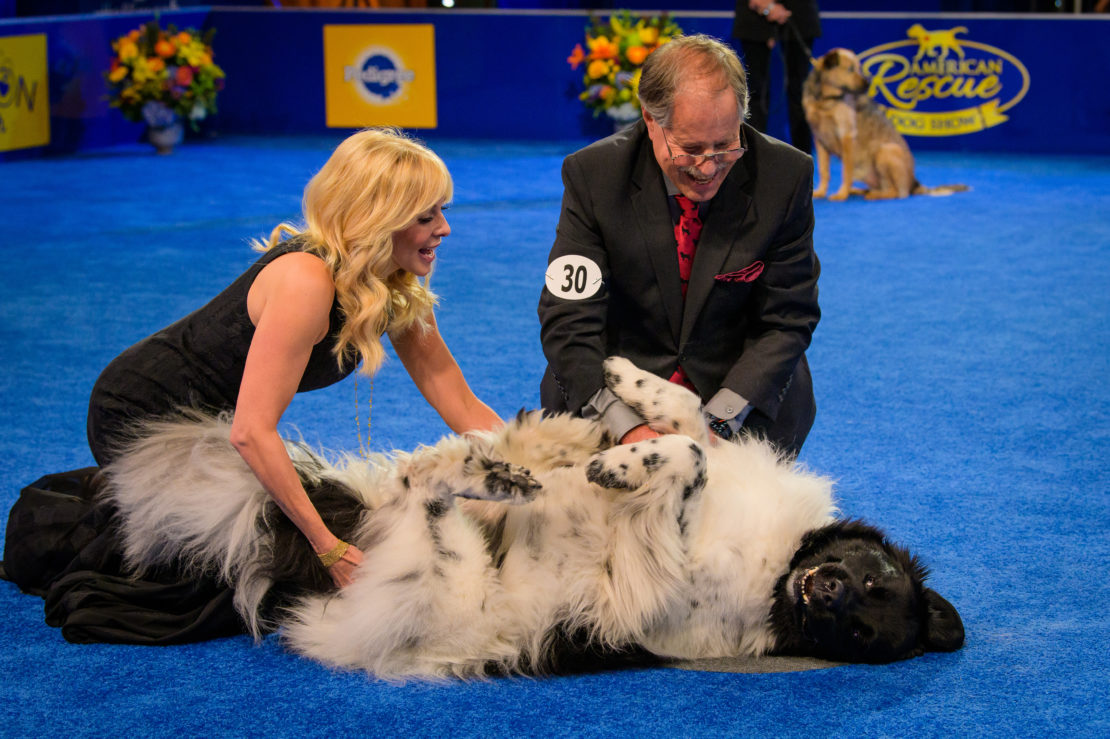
[{"x": 376, "y": 183}]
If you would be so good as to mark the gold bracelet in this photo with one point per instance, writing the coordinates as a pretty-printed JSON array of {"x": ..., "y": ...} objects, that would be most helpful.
[{"x": 329, "y": 558}]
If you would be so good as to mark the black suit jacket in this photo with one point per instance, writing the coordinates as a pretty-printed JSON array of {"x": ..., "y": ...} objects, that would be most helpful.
[{"x": 747, "y": 336}]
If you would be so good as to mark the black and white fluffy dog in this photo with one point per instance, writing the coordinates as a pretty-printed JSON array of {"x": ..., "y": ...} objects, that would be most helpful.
[{"x": 497, "y": 552}]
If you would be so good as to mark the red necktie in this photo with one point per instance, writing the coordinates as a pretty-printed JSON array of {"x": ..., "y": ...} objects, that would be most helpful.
[{"x": 686, "y": 234}]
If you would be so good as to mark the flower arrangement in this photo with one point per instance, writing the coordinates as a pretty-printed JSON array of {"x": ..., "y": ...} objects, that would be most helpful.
[
  {"x": 617, "y": 50},
  {"x": 159, "y": 76}
]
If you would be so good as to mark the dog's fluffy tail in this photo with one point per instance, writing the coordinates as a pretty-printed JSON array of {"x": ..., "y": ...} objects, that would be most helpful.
[
  {"x": 187, "y": 500},
  {"x": 939, "y": 190}
]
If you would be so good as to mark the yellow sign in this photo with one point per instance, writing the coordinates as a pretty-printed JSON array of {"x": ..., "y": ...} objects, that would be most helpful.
[
  {"x": 24, "y": 95},
  {"x": 966, "y": 86},
  {"x": 381, "y": 75}
]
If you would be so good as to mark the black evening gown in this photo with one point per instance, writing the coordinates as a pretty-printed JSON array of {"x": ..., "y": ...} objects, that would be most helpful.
[{"x": 62, "y": 543}]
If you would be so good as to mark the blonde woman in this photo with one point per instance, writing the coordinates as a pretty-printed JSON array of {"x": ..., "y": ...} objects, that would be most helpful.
[{"x": 302, "y": 317}]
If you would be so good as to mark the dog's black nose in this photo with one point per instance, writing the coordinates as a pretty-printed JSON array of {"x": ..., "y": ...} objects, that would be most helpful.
[{"x": 830, "y": 589}]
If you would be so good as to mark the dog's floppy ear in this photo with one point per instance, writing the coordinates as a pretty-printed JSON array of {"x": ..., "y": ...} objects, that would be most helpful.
[
  {"x": 832, "y": 59},
  {"x": 944, "y": 630}
]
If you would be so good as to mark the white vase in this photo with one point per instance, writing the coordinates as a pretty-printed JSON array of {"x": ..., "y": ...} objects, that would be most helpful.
[
  {"x": 165, "y": 138},
  {"x": 623, "y": 116}
]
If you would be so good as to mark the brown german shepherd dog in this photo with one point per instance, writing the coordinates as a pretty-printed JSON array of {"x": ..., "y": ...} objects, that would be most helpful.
[{"x": 846, "y": 123}]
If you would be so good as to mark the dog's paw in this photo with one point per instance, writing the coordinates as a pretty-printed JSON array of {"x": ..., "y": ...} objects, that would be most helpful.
[
  {"x": 620, "y": 374},
  {"x": 664, "y": 405},
  {"x": 497, "y": 480},
  {"x": 631, "y": 466},
  {"x": 612, "y": 473}
]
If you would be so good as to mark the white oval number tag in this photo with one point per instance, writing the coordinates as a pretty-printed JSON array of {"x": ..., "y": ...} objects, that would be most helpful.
[{"x": 573, "y": 277}]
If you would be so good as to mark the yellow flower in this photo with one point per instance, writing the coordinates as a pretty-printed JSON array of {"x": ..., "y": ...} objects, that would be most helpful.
[
  {"x": 195, "y": 54},
  {"x": 597, "y": 69},
  {"x": 118, "y": 73},
  {"x": 649, "y": 36},
  {"x": 141, "y": 71},
  {"x": 127, "y": 50}
]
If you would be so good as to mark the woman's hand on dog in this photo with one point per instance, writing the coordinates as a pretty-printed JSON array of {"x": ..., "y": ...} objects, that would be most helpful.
[{"x": 343, "y": 572}]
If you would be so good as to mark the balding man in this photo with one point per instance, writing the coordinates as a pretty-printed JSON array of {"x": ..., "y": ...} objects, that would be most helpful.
[{"x": 685, "y": 243}]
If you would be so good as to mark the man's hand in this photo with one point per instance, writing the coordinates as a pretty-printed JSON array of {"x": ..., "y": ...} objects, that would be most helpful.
[
  {"x": 772, "y": 11},
  {"x": 642, "y": 432}
]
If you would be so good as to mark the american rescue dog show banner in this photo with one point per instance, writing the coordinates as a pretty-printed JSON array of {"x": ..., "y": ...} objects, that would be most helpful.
[
  {"x": 939, "y": 82},
  {"x": 24, "y": 92}
]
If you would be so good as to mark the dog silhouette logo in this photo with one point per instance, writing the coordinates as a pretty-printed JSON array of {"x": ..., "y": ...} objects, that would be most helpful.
[{"x": 936, "y": 43}]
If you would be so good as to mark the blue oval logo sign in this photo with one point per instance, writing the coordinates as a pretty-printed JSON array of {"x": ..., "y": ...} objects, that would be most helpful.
[
  {"x": 939, "y": 83},
  {"x": 379, "y": 76}
]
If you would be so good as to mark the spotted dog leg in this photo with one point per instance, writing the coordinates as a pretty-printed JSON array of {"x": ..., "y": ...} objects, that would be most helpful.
[
  {"x": 467, "y": 468},
  {"x": 666, "y": 406},
  {"x": 657, "y": 485},
  {"x": 417, "y": 605},
  {"x": 668, "y": 470}
]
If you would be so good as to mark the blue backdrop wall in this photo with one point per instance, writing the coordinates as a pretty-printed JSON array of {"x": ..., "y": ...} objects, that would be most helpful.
[{"x": 503, "y": 74}]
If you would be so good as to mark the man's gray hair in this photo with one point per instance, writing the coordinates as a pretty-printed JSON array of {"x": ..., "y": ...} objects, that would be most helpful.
[{"x": 681, "y": 59}]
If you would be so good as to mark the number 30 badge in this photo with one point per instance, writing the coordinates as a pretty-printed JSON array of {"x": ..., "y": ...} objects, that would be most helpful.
[{"x": 573, "y": 277}]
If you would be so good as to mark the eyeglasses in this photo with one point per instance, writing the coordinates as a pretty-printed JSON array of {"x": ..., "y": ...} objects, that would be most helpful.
[{"x": 717, "y": 157}]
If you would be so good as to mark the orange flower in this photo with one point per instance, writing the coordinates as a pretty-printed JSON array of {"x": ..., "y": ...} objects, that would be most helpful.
[
  {"x": 636, "y": 54},
  {"x": 183, "y": 38},
  {"x": 597, "y": 69},
  {"x": 165, "y": 48},
  {"x": 155, "y": 64},
  {"x": 576, "y": 57},
  {"x": 601, "y": 48}
]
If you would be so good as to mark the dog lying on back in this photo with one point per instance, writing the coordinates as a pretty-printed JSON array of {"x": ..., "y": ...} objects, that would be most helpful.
[
  {"x": 847, "y": 124},
  {"x": 506, "y": 551}
]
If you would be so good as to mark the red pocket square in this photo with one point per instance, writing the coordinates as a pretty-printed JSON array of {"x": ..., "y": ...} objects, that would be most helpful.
[{"x": 748, "y": 274}]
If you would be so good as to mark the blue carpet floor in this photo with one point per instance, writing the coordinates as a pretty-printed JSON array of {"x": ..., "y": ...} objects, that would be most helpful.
[{"x": 959, "y": 369}]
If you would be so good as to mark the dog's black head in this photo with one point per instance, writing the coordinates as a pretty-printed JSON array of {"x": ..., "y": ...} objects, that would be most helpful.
[{"x": 852, "y": 596}]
